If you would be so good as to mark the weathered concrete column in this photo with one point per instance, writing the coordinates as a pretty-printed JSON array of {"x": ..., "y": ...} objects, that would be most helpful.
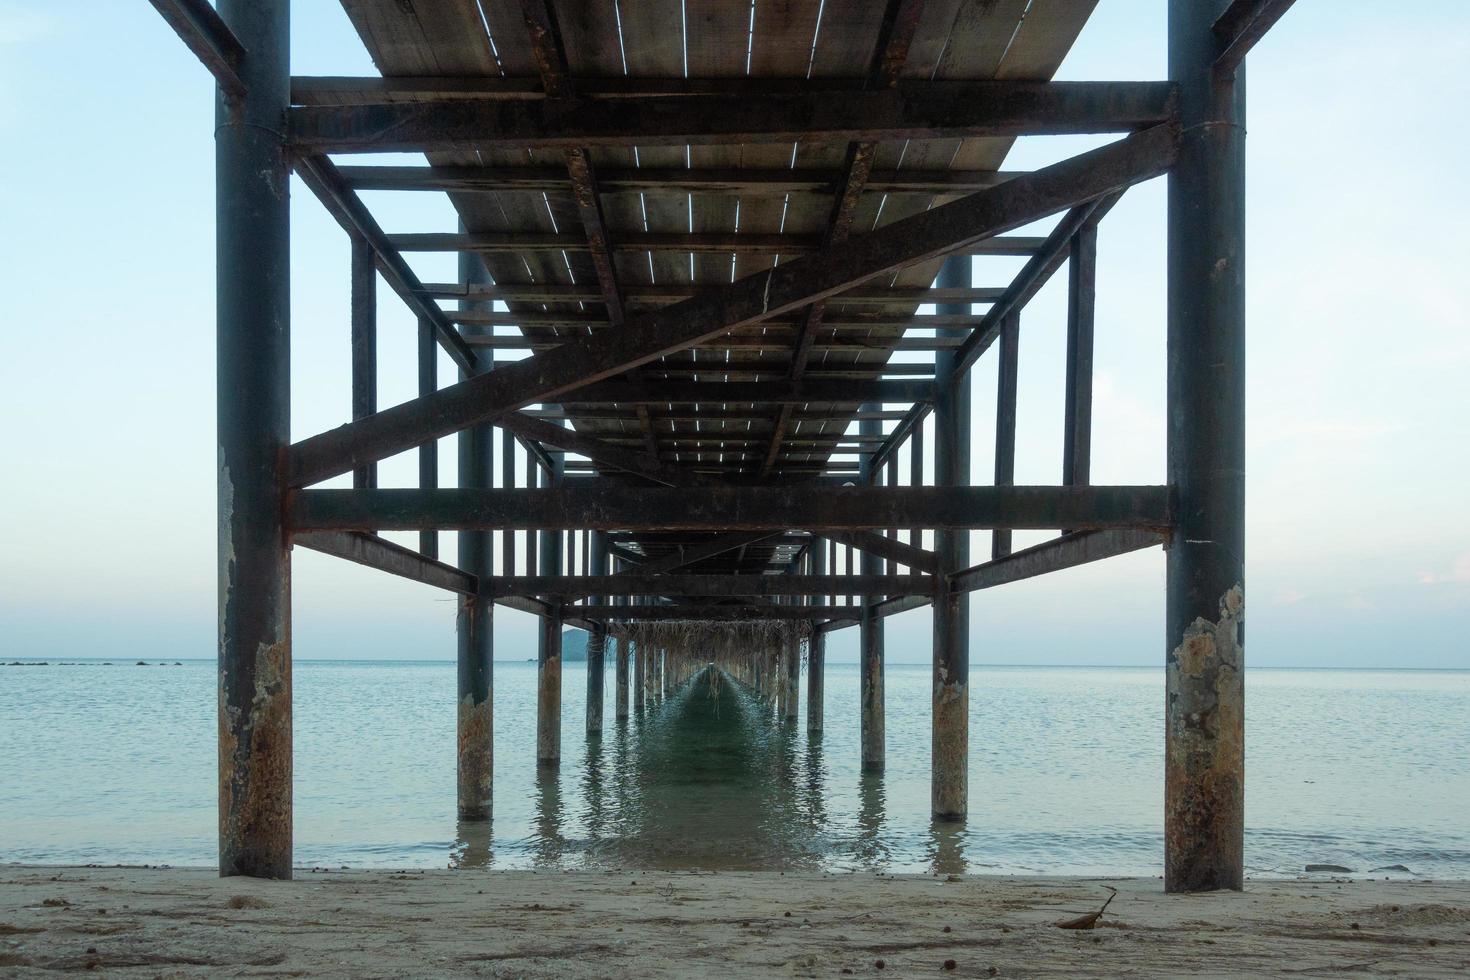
[
  {"x": 1204, "y": 755},
  {"x": 816, "y": 657},
  {"x": 949, "y": 779},
  {"x": 871, "y": 735},
  {"x": 474, "y": 625},
  {"x": 596, "y": 640},
  {"x": 253, "y": 372},
  {"x": 548, "y": 649}
]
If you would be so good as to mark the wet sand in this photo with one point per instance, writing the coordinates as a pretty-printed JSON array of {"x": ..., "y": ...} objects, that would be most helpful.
[{"x": 187, "y": 923}]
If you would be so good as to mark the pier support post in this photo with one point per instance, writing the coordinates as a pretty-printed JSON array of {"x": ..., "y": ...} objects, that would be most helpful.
[
  {"x": 793, "y": 677},
  {"x": 621, "y": 679},
  {"x": 816, "y": 657},
  {"x": 640, "y": 679},
  {"x": 870, "y": 638},
  {"x": 428, "y": 354},
  {"x": 253, "y": 371},
  {"x": 950, "y": 740},
  {"x": 548, "y": 650},
  {"x": 474, "y": 625},
  {"x": 1204, "y": 758},
  {"x": 364, "y": 327},
  {"x": 596, "y": 639}
]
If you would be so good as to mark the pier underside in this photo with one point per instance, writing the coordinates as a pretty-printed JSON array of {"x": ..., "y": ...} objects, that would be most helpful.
[{"x": 715, "y": 324}]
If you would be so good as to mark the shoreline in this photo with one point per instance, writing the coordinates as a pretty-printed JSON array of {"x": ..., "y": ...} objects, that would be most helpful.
[{"x": 176, "y": 922}]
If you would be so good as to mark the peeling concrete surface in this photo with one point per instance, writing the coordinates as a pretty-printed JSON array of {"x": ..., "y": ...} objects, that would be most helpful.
[
  {"x": 476, "y": 758},
  {"x": 1204, "y": 756}
]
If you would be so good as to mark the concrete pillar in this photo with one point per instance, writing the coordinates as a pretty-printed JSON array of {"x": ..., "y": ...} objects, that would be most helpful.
[
  {"x": 1204, "y": 757},
  {"x": 870, "y": 642},
  {"x": 474, "y": 625},
  {"x": 949, "y": 779},
  {"x": 364, "y": 328},
  {"x": 253, "y": 372}
]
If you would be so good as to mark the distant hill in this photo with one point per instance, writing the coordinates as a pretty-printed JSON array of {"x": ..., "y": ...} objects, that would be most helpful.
[{"x": 574, "y": 646}]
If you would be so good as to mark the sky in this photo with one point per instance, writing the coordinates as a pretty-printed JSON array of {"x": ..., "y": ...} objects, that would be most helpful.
[{"x": 1358, "y": 545}]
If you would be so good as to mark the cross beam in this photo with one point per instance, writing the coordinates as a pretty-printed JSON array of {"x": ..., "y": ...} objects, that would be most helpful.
[
  {"x": 919, "y": 111},
  {"x": 940, "y": 231},
  {"x": 213, "y": 43},
  {"x": 712, "y": 586},
  {"x": 806, "y": 507}
]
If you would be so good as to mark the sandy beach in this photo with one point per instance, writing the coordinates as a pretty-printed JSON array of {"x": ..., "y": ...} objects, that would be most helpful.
[{"x": 186, "y": 923}]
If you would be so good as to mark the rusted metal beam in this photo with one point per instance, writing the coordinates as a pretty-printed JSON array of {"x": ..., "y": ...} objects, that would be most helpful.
[
  {"x": 889, "y": 607},
  {"x": 939, "y": 231},
  {"x": 713, "y": 611},
  {"x": 638, "y": 582},
  {"x": 662, "y": 293},
  {"x": 474, "y": 620},
  {"x": 656, "y": 180},
  {"x": 919, "y": 559},
  {"x": 915, "y": 111},
  {"x": 206, "y": 34},
  {"x": 732, "y": 508},
  {"x": 1067, "y": 551},
  {"x": 1077, "y": 414},
  {"x": 1241, "y": 25},
  {"x": 364, "y": 342},
  {"x": 719, "y": 243},
  {"x": 1204, "y": 670},
  {"x": 690, "y": 554},
  {"x": 1008, "y": 372},
  {"x": 949, "y": 785},
  {"x": 253, "y": 425},
  {"x": 385, "y": 556}
]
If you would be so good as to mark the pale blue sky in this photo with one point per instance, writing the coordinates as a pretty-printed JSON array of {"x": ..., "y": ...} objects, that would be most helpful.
[{"x": 1359, "y": 353}]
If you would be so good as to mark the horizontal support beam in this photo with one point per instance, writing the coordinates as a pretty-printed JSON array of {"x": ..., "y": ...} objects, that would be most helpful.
[
  {"x": 662, "y": 293},
  {"x": 914, "y": 111},
  {"x": 666, "y": 180},
  {"x": 1067, "y": 551},
  {"x": 639, "y": 583},
  {"x": 891, "y": 548},
  {"x": 801, "y": 507},
  {"x": 718, "y": 243},
  {"x": 850, "y": 392},
  {"x": 712, "y": 612},
  {"x": 385, "y": 556},
  {"x": 200, "y": 27},
  {"x": 1242, "y": 24},
  {"x": 646, "y": 337}
]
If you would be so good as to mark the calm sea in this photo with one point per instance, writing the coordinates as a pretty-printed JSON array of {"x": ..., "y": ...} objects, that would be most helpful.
[{"x": 1365, "y": 769}]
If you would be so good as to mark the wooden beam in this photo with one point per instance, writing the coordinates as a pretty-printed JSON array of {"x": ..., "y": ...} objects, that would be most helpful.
[
  {"x": 939, "y": 231},
  {"x": 722, "y": 508},
  {"x": 1067, "y": 551},
  {"x": 200, "y": 27},
  {"x": 385, "y": 556},
  {"x": 914, "y": 111},
  {"x": 713, "y": 586},
  {"x": 1242, "y": 24},
  {"x": 666, "y": 180}
]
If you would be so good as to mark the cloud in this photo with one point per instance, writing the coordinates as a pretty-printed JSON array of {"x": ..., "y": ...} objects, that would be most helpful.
[{"x": 1458, "y": 573}]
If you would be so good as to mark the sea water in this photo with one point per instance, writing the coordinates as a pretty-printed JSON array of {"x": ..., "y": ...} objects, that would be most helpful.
[{"x": 116, "y": 764}]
